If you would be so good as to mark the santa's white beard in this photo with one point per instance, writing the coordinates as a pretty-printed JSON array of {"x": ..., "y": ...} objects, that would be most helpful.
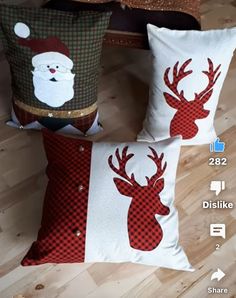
[{"x": 54, "y": 94}]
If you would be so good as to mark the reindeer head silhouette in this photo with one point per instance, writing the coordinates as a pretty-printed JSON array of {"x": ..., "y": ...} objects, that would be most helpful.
[
  {"x": 144, "y": 231},
  {"x": 188, "y": 111}
]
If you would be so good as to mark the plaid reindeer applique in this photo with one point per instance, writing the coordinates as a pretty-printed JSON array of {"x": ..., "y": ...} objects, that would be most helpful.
[
  {"x": 188, "y": 111},
  {"x": 145, "y": 233}
]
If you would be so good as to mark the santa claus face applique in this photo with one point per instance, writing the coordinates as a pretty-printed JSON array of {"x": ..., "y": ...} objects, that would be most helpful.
[{"x": 53, "y": 79}]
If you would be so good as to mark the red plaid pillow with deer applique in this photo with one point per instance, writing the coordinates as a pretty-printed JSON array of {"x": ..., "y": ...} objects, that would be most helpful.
[
  {"x": 189, "y": 69},
  {"x": 109, "y": 202}
]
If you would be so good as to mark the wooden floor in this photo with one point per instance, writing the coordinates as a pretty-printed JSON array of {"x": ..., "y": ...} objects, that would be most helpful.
[{"x": 123, "y": 97}]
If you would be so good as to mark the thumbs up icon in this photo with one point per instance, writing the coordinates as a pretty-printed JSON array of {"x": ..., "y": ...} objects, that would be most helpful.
[{"x": 217, "y": 146}]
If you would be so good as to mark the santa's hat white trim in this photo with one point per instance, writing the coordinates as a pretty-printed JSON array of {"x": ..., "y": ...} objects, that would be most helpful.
[
  {"x": 52, "y": 57},
  {"x": 22, "y": 30}
]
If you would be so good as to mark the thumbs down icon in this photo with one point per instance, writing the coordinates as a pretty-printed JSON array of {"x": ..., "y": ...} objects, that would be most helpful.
[{"x": 217, "y": 186}]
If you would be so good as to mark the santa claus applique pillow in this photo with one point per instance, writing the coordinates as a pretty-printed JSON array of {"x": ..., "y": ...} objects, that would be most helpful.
[
  {"x": 189, "y": 68},
  {"x": 54, "y": 60},
  {"x": 109, "y": 202}
]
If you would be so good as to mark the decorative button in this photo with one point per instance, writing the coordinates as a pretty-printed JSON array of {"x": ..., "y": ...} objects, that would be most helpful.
[
  {"x": 39, "y": 287},
  {"x": 77, "y": 233},
  {"x": 81, "y": 148},
  {"x": 80, "y": 188}
]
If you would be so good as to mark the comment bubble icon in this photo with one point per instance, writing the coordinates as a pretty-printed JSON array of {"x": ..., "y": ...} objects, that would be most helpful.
[{"x": 218, "y": 230}]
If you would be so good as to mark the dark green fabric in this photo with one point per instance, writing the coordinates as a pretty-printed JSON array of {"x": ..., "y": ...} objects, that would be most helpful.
[{"x": 82, "y": 32}]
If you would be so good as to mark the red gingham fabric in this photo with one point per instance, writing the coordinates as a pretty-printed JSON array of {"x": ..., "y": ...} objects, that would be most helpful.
[
  {"x": 145, "y": 233},
  {"x": 188, "y": 111},
  {"x": 84, "y": 123},
  {"x": 23, "y": 116},
  {"x": 62, "y": 235}
]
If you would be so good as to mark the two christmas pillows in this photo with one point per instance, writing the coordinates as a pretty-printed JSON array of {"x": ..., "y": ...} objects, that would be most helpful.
[
  {"x": 189, "y": 68},
  {"x": 103, "y": 205},
  {"x": 54, "y": 59}
]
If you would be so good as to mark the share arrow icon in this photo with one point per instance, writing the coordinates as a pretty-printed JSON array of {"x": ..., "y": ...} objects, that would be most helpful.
[{"x": 219, "y": 274}]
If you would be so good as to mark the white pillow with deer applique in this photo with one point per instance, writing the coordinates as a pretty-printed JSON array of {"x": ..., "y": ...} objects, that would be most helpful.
[
  {"x": 189, "y": 69},
  {"x": 110, "y": 202}
]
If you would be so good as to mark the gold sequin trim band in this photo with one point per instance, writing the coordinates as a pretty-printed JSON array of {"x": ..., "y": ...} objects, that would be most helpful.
[
  {"x": 187, "y": 6},
  {"x": 56, "y": 113}
]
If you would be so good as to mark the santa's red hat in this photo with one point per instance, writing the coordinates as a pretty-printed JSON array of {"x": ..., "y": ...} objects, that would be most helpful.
[{"x": 49, "y": 50}]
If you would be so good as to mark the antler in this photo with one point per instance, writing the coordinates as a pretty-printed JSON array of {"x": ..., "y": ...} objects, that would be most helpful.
[
  {"x": 160, "y": 171},
  {"x": 122, "y": 160},
  {"x": 177, "y": 77},
  {"x": 211, "y": 73}
]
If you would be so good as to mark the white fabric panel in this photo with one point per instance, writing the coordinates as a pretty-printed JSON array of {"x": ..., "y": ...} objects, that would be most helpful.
[
  {"x": 170, "y": 46},
  {"x": 107, "y": 232}
]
